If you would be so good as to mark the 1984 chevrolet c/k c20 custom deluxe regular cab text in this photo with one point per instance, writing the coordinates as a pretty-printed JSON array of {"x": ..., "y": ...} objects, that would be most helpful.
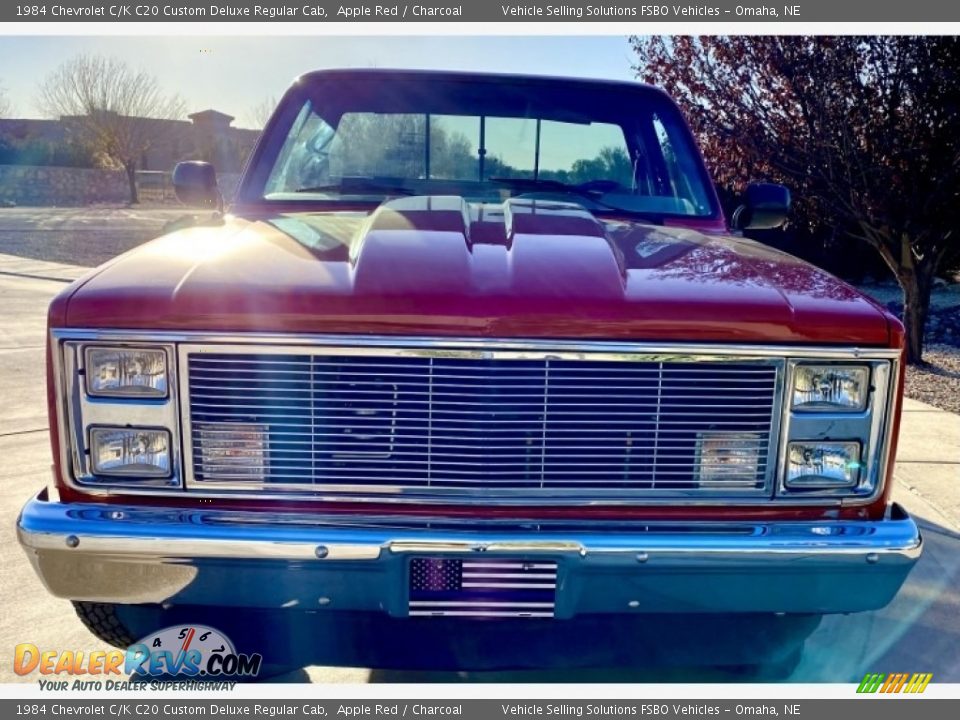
[{"x": 474, "y": 373}]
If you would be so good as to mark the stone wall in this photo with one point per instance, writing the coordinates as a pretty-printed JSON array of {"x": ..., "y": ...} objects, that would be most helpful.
[
  {"x": 70, "y": 187},
  {"x": 27, "y": 185}
]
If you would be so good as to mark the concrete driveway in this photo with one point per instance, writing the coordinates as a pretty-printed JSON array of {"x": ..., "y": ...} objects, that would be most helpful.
[
  {"x": 83, "y": 235},
  {"x": 918, "y": 632}
]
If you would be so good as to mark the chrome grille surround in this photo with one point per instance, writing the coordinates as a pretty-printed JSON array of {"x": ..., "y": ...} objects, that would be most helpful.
[
  {"x": 884, "y": 361},
  {"x": 448, "y": 423}
]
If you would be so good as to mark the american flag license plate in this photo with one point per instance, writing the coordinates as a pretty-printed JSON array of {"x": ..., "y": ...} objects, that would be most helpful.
[{"x": 482, "y": 587}]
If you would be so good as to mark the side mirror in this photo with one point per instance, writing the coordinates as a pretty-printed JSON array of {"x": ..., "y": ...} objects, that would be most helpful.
[
  {"x": 195, "y": 183},
  {"x": 765, "y": 207}
]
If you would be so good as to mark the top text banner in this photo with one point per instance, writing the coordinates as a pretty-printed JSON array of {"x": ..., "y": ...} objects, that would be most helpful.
[{"x": 359, "y": 11}]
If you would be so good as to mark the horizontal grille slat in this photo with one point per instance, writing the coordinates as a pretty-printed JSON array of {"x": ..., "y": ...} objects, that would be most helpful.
[
  {"x": 593, "y": 467},
  {"x": 436, "y": 425},
  {"x": 498, "y": 484},
  {"x": 485, "y": 408},
  {"x": 504, "y": 457},
  {"x": 441, "y": 441},
  {"x": 623, "y": 368}
]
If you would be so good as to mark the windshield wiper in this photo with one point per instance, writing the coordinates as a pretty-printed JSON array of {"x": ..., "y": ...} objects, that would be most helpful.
[
  {"x": 592, "y": 190},
  {"x": 359, "y": 186}
]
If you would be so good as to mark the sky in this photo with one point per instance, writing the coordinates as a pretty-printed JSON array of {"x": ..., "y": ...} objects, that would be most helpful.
[{"x": 235, "y": 74}]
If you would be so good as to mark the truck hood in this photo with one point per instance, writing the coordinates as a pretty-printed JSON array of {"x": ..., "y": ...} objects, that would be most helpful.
[{"x": 441, "y": 266}]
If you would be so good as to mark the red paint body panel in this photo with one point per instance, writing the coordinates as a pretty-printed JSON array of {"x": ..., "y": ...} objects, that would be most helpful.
[
  {"x": 897, "y": 340},
  {"x": 492, "y": 271},
  {"x": 517, "y": 270}
]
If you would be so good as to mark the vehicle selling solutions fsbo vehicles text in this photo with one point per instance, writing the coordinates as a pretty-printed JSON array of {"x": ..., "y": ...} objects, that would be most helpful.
[{"x": 641, "y": 11}]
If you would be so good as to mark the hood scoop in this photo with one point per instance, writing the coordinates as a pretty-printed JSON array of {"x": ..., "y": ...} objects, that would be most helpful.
[
  {"x": 440, "y": 245},
  {"x": 549, "y": 218},
  {"x": 482, "y": 224},
  {"x": 424, "y": 213}
]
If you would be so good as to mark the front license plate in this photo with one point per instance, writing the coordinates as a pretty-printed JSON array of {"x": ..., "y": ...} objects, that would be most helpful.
[{"x": 482, "y": 587}]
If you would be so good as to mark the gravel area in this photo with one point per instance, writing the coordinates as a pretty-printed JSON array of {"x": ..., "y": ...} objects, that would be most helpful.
[
  {"x": 943, "y": 322},
  {"x": 937, "y": 381},
  {"x": 943, "y": 296}
]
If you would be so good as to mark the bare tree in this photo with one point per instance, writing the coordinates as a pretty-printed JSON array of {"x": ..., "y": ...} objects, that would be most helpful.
[
  {"x": 112, "y": 107},
  {"x": 4, "y": 102},
  {"x": 866, "y": 129},
  {"x": 260, "y": 113}
]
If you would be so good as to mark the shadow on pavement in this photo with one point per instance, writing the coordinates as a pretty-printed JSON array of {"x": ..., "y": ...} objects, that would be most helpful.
[{"x": 918, "y": 632}]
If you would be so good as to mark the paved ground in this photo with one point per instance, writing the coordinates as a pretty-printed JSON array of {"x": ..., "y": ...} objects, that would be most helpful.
[
  {"x": 93, "y": 235},
  {"x": 918, "y": 631}
]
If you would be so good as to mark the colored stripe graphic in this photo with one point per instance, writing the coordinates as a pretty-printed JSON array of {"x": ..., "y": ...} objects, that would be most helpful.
[
  {"x": 893, "y": 683},
  {"x": 870, "y": 683},
  {"x": 918, "y": 683}
]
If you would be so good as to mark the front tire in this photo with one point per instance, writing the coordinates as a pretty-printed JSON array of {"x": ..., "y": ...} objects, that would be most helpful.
[
  {"x": 114, "y": 624},
  {"x": 101, "y": 619}
]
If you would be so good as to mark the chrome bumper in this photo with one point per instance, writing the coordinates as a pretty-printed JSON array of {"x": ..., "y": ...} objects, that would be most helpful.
[{"x": 133, "y": 555}]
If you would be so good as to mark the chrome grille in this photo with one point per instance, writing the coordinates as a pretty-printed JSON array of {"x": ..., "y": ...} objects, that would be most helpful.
[{"x": 448, "y": 423}]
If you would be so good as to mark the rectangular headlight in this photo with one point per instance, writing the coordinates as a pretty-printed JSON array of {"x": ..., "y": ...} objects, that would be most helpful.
[
  {"x": 822, "y": 465},
  {"x": 127, "y": 452},
  {"x": 126, "y": 372},
  {"x": 830, "y": 388}
]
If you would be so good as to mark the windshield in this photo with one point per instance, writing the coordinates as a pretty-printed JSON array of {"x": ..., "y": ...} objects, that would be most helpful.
[{"x": 602, "y": 146}]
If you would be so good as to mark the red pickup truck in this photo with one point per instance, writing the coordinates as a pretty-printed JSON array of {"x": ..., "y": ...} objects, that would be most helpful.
[{"x": 474, "y": 373}]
